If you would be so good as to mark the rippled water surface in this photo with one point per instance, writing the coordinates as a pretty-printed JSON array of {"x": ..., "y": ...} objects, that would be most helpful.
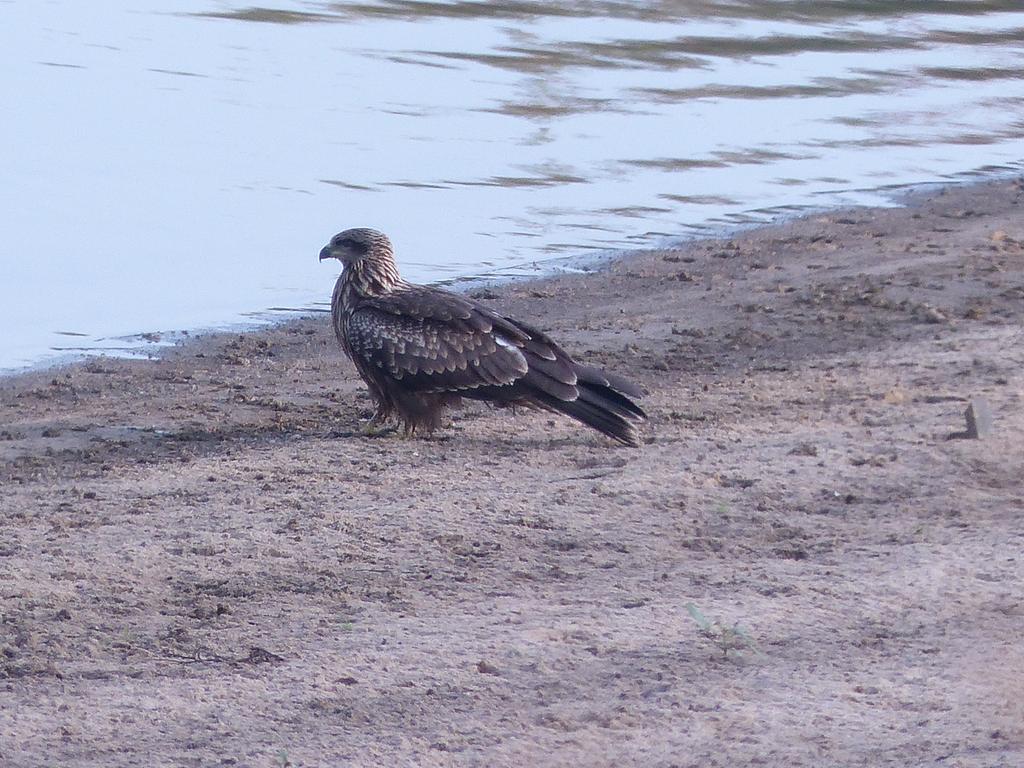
[{"x": 175, "y": 165}]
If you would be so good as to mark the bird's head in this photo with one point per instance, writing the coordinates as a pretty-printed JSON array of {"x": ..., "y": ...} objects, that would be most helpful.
[{"x": 355, "y": 245}]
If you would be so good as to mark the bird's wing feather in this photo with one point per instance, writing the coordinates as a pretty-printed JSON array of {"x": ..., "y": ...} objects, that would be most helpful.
[
  {"x": 435, "y": 349},
  {"x": 461, "y": 312},
  {"x": 437, "y": 341}
]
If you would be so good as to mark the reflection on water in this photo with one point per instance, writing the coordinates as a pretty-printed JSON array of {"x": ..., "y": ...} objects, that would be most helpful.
[{"x": 179, "y": 165}]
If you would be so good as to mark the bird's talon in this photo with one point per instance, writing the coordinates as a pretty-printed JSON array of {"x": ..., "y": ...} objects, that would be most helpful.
[{"x": 374, "y": 428}]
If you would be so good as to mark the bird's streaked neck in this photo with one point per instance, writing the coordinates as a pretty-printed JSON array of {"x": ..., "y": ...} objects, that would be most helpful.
[{"x": 374, "y": 275}]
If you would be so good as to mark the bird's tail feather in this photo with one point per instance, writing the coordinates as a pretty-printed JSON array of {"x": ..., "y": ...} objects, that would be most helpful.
[
  {"x": 599, "y": 407},
  {"x": 596, "y": 398},
  {"x": 591, "y": 375},
  {"x": 611, "y": 424},
  {"x": 610, "y": 399}
]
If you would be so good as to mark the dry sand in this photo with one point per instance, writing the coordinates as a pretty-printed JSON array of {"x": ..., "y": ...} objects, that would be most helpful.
[{"x": 203, "y": 563}]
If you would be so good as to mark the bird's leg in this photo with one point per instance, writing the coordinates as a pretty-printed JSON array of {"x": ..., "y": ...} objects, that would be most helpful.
[
  {"x": 379, "y": 424},
  {"x": 374, "y": 428}
]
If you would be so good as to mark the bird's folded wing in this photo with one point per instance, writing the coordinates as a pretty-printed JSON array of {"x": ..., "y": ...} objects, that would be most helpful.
[
  {"x": 427, "y": 303},
  {"x": 434, "y": 354}
]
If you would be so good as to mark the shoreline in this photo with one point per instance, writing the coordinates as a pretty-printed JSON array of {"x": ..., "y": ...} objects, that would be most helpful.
[
  {"x": 902, "y": 195},
  {"x": 201, "y": 557}
]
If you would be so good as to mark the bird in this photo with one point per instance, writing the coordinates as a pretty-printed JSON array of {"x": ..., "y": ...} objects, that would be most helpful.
[{"x": 421, "y": 349}]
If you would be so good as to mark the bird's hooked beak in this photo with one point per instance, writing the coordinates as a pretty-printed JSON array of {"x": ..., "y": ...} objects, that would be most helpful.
[{"x": 327, "y": 253}]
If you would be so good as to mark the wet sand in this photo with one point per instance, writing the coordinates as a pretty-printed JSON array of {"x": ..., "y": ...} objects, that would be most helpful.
[{"x": 203, "y": 562}]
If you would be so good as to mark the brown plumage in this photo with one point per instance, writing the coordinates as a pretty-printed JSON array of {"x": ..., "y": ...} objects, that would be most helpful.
[{"x": 420, "y": 349}]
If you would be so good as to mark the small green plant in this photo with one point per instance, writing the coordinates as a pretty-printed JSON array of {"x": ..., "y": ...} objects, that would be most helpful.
[{"x": 734, "y": 638}]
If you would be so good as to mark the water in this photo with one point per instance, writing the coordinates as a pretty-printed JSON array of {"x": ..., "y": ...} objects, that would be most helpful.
[{"x": 178, "y": 165}]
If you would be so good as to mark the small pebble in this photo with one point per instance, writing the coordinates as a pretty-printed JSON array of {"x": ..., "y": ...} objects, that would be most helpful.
[{"x": 979, "y": 419}]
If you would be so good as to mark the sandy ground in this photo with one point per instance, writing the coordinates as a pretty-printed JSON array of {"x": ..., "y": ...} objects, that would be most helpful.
[{"x": 202, "y": 562}]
